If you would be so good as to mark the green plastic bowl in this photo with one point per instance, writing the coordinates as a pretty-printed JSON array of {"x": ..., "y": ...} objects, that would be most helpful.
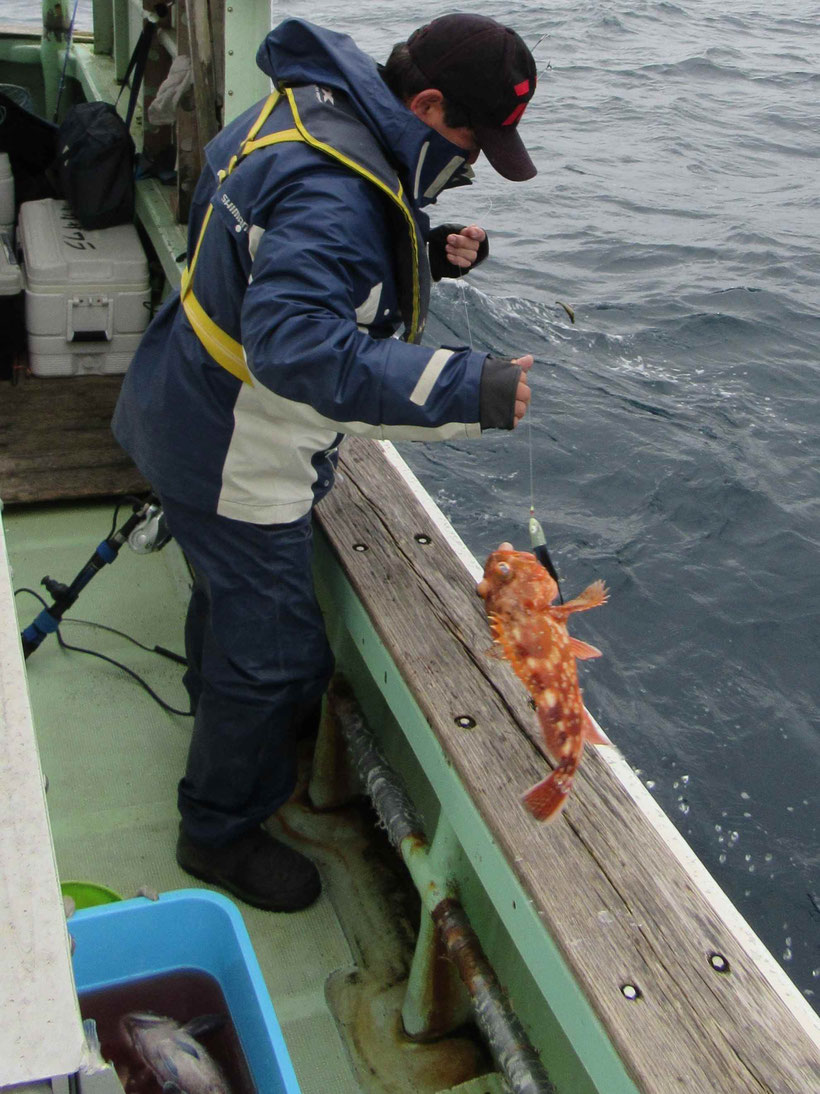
[{"x": 86, "y": 894}]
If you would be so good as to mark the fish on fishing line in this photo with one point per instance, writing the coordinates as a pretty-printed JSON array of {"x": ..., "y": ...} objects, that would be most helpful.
[{"x": 531, "y": 632}]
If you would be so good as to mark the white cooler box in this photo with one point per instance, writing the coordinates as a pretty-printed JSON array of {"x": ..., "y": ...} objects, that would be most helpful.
[{"x": 87, "y": 292}]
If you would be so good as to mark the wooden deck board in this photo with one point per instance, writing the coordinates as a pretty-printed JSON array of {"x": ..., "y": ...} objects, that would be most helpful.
[
  {"x": 621, "y": 907},
  {"x": 56, "y": 442}
]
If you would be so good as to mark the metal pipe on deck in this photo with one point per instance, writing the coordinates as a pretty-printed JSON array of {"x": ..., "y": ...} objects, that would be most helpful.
[{"x": 515, "y": 1057}]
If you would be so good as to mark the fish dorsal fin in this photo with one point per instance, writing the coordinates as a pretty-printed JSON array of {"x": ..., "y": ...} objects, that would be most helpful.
[{"x": 147, "y": 1018}]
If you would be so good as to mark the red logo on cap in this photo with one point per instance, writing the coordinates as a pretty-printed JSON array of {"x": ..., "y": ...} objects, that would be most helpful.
[{"x": 520, "y": 89}]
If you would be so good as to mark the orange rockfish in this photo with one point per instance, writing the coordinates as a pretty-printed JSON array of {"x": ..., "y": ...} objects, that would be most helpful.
[{"x": 532, "y": 632}]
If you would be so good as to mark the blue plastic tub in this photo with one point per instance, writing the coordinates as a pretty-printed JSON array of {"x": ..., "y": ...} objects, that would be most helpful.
[{"x": 187, "y": 929}]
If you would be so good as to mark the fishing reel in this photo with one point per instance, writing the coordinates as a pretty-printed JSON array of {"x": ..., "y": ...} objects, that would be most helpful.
[
  {"x": 145, "y": 531},
  {"x": 151, "y": 533}
]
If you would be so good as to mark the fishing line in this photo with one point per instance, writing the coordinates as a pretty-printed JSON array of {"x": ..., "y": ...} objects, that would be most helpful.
[
  {"x": 532, "y": 475},
  {"x": 462, "y": 272},
  {"x": 538, "y": 540},
  {"x": 460, "y": 282},
  {"x": 548, "y": 65}
]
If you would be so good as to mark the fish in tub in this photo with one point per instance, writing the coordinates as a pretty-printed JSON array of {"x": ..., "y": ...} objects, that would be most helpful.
[
  {"x": 170, "y": 1034},
  {"x": 173, "y": 1054}
]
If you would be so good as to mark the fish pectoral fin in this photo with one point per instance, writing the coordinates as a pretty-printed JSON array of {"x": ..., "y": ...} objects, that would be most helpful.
[
  {"x": 582, "y": 650},
  {"x": 592, "y": 596},
  {"x": 204, "y": 1024},
  {"x": 592, "y": 731}
]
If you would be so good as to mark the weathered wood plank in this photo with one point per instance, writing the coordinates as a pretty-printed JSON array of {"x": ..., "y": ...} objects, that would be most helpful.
[
  {"x": 216, "y": 11},
  {"x": 201, "y": 45},
  {"x": 56, "y": 441},
  {"x": 189, "y": 150},
  {"x": 155, "y": 138},
  {"x": 620, "y": 906}
]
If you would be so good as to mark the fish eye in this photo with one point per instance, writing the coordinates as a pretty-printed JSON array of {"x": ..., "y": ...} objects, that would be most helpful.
[{"x": 504, "y": 569}]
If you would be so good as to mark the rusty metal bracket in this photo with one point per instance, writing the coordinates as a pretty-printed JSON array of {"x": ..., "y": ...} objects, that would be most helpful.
[{"x": 514, "y": 1055}]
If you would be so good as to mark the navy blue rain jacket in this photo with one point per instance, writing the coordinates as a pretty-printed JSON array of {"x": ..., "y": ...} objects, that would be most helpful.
[{"x": 298, "y": 264}]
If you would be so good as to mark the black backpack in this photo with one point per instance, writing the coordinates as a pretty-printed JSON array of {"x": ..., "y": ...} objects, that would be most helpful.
[
  {"x": 95, "y": 165},
  {"x": 96, "y": 157}
]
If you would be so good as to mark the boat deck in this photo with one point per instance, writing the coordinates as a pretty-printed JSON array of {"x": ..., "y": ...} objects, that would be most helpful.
[
  {"x": 56, "y": 442},
  {"x": 112, "y": 757}
]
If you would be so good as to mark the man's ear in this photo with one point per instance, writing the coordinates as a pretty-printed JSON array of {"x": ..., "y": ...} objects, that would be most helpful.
[{"x": 424, "y": 103}]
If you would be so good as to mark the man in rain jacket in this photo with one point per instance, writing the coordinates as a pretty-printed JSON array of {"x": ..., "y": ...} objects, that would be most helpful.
[{"x": 307, "y": 252}]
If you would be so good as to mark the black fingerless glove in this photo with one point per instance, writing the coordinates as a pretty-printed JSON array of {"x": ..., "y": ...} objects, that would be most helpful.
[
  {"x": 496, "y": 393},
  {"x": 440, "y": 266}
]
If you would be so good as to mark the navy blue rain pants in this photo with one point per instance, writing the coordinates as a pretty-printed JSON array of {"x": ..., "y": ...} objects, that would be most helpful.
[{"x": 258, "y": 659}]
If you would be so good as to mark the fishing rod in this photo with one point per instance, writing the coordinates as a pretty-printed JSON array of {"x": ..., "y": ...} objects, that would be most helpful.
[
  {"x": 144, "y": 531},
  {"x": 68, "y": 43}
]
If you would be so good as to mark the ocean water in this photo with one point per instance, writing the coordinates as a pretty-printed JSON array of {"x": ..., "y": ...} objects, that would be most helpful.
[{"x": 673, "y": 436}]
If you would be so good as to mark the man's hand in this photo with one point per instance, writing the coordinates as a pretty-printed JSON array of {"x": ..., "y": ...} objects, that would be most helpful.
[
  {"x": 462, "y": 248},
  {"x": 522, "y": 393}
]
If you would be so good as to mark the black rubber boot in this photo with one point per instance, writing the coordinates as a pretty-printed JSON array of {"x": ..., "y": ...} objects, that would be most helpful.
[{"x": 257, "y": 868}]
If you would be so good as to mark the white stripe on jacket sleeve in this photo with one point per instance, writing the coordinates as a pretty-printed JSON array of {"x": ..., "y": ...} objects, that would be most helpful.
[{"x": 432, "y": 370}]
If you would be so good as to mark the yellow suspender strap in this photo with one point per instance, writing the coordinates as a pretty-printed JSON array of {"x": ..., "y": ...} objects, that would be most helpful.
[
  {"x": 225, "y": 350},
  {"x": 396, "y": 196}
]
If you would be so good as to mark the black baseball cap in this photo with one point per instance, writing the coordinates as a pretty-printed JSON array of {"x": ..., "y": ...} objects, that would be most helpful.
[{"x": 487, "y": 70}]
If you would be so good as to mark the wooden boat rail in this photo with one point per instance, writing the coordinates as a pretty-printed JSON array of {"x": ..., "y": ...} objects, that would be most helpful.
[{"x": 620, "y": 935}]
